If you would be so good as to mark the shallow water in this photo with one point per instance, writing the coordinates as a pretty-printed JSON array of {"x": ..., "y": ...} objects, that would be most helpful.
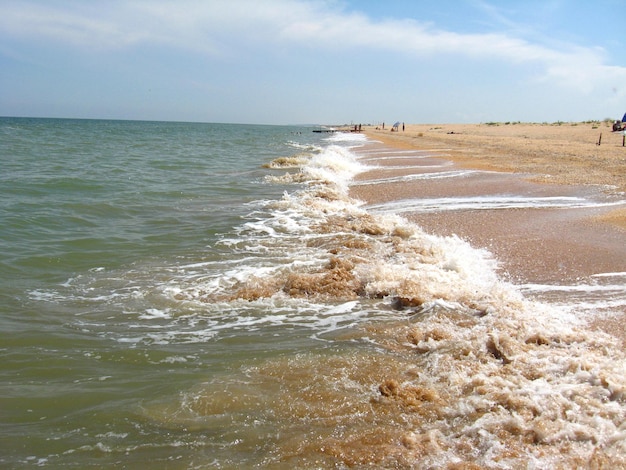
[{"x": 209, "y": 296}]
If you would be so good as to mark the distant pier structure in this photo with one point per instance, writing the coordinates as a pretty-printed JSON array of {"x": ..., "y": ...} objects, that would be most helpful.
[{"x": 351, "y": 128}]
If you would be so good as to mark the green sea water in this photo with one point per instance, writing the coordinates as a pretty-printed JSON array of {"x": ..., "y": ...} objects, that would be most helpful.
[
  {"x": 193, "y": 296},
  {"x": 98, "y": 220}
]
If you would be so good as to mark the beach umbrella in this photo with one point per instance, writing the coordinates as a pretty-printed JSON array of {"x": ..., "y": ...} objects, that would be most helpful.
[{"x": 624, "y": 118}]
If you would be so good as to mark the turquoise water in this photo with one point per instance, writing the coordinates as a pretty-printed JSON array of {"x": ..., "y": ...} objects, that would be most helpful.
[{"x": 182, "y": 295}]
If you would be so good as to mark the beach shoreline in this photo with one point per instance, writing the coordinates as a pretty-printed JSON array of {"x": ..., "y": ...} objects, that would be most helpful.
[
  {"x": 561, "y": 153},
  {"x": 532, "y": 245}
]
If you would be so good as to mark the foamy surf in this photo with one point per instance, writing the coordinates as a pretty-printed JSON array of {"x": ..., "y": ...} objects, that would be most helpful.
[
  {"x": 601, "y": 294},
  {"x": 435, "y": 175},
  {"x": 465, "y": 370},
  {"x": 393, "y": 348},
  {"x": 484, "y": 202}
]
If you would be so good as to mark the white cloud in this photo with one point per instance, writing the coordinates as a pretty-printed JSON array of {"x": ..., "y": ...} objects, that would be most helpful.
[
  {"x": 35, "y": 21},
  {"x": 232, "y": 29},
  {"x": 224, "y": 27}
]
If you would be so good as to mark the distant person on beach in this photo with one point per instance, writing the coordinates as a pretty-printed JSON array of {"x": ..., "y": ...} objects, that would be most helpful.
[
  {"x": 383, "y": 126},
  {"x": 402, "y": 127}
]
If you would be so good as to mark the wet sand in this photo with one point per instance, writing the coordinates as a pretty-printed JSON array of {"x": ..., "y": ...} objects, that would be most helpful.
[{"x": 532, "y": 245}]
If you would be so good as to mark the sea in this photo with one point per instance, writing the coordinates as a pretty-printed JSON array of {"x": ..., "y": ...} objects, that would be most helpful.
[{"x": 198, "y": 295}]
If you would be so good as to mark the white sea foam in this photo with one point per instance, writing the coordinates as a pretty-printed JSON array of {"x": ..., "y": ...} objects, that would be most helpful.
[
  {"x": 410, "y": 153},
  {"x": 610, "y": 275},
  {"x": 307, "y": 147},
  {"x": 414, "y": 167},
  {"x": 486, "y": 203},
  {"x": 412, "y": 156},
  {"x": 336, "y": 165},
  {"x": 587, "y": 299},
  {"x": 578, "y": 288},
  {"x": 416, "y": 177},
  {"x": 347, "y": 137}
]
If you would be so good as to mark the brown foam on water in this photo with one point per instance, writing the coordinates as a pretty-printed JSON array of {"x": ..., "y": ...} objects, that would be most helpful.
[
  {"x": 293, "y": 161},
  {"x": 288, "y": 178},
  {"x": 451, "y": 388},
  {"x": 337, "y": 281},
  {"x": 492, "y": 381},
  {"x": 442, "y": 396},
  {"x": 372, "y": 258},
  {"x": 471, "y": 376}
]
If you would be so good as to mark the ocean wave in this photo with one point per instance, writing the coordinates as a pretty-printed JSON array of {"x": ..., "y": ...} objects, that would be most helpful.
[{"x": 435, "y": 359}]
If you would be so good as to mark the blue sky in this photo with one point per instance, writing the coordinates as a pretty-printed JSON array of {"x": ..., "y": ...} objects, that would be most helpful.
[{"x": 314, "y": 61}]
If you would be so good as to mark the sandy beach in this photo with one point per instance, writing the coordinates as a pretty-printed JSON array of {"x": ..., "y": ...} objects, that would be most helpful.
[
  {"x": 561, "y": 153},
  {"x": 533, "y": 245}
]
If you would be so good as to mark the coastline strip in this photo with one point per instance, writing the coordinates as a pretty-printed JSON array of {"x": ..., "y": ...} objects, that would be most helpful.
[{"x": 553, "y": 234}]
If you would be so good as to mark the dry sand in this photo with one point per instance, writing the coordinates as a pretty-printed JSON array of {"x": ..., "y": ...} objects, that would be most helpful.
[
  {"x": 566, "y": 153},
  {"x": 540, "y": 159}
]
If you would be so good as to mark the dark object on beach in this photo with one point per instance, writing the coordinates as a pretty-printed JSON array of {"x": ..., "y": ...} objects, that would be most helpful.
[
  {"x": 620, "y": 125},
  {"x": 599, "y": 139}
]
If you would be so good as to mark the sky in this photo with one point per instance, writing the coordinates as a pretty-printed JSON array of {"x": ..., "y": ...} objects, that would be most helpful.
[{"x": 314, "y": 61}]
